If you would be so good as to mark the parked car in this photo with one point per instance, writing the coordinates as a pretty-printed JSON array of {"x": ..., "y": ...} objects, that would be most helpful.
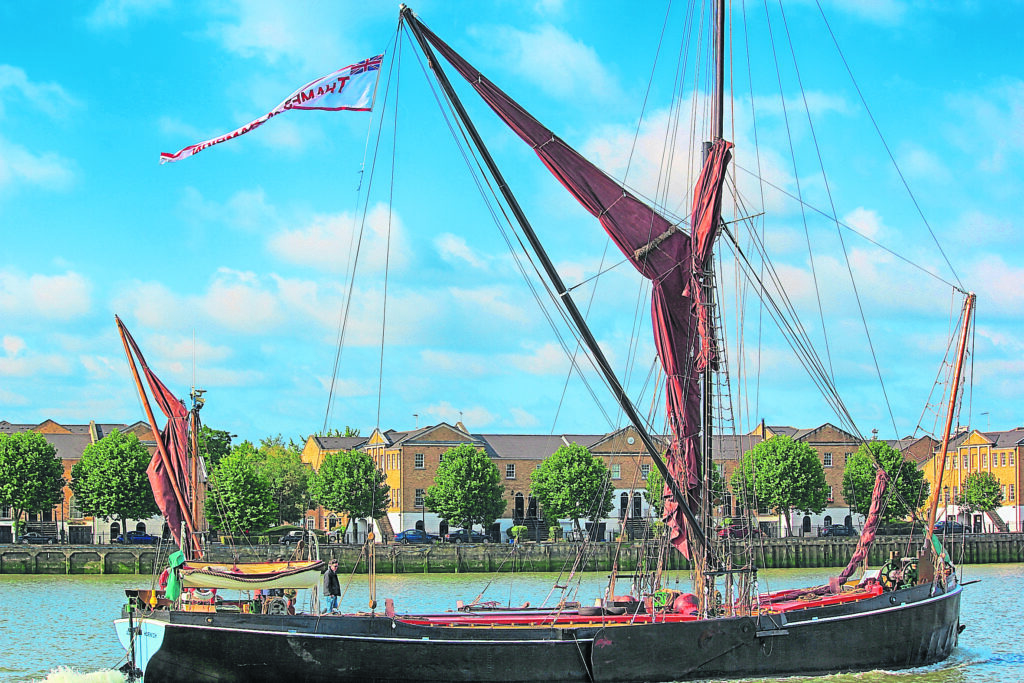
[
  {"x": 137, "y": 538},
  {"x": 465, "y": 536},
  {"x": 738, "y": 531},
  {"x": 838, "y": 530},
  {"x": 36, "y": 538},
  {"x": 949, "y": 526},
  {"x": 414, "y": 536},
  {"x": 293, "y": 537}
]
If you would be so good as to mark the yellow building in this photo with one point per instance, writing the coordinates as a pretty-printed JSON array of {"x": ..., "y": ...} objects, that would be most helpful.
[{"x": 975, "y": 451}]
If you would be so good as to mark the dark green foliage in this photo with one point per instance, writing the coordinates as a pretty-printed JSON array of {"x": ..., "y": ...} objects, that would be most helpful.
[
  {"x": 31, "y": 473},
  {"x": 349, "y": 482},
  {"x": 573, "y": 484},
  {"x": 907, "y": 487},
  {"x": 783, "y": 475},
  {"x": 467, "y": 488},
  {"x": 214, "y": 444},
  {"x": 655, "y": 491},
  {"x": 110, "y": 480},
  {"x": 982, "y": 492},
  {"x": 288, "y": 477},
  {"x": 240, "y": 499}
]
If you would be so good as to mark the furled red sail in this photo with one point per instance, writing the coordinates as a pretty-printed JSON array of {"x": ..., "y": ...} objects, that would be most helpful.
[
  {"x": 174, "y": 438},
  {"x": 672, "y": 259}
]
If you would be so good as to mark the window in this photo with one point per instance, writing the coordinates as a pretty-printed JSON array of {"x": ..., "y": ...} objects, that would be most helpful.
[
  {"x": 1011, "y": 459},
  {"x": 510, "y": 470},
  {"x": 964, "y": 458},
  {"x": 310, "y": 523},
  {"x": 418, "y": 461},
  {"x": 826, "y": 459},
  {"x": 440, "y": 458},
  {"x": 419, "y": 498},
  {"x": 616, "y": 471},
  {"x": 1002, "y": 460},
  {"x": 984, "y": 460},
  {"x": 73, "y": 511},
  {"x": 645, "y": 469},
  {"x": 1004, "y": 491},
  {"x": 956, "y": 493},
  {"x": 830, "y": 498},
  {"x": 1012, "y": 492},
  {"x": 5, "y": 511}
]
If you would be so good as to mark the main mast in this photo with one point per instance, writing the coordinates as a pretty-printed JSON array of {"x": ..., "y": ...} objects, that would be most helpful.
[{"x": 695, "y": 528}]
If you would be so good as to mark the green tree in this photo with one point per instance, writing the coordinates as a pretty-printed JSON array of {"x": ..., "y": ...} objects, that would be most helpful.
[
  {"x": 240, "y": 499},
  {"x": 655, "y": 491},
  {"x": 110, "y": 480},
  {"x": 467, "y": 488},
  {"x": 572, "y": 483},
  {"x": 288, "y": 477},
  {"x": 907, "y": 486},
  {"x": 348, "y": 431},
  {"x": 349, "y": 482},
  {"x": 214, "y": 444},
  {"x": 31, "y": 473},
  {"x": 783, "y": 475},
  {"x": 982, "y": 492}
]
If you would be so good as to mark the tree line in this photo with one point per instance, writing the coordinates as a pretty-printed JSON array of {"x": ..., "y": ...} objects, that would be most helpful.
[{"x": 253, "y": 487}]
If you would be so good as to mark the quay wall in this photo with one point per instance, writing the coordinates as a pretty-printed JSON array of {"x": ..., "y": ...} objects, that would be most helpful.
[{"x": 796, "y": 553}]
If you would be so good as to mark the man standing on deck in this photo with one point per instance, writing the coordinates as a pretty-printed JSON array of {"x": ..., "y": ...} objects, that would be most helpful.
[{"x": 331, "y": 587}]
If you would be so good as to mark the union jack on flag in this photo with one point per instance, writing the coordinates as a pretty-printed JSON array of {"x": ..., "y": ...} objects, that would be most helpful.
[{"x": 370, "y": 64}]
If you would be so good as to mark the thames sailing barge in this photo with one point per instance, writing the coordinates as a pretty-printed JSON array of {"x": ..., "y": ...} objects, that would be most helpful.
[{"x": 904, "y": 614}]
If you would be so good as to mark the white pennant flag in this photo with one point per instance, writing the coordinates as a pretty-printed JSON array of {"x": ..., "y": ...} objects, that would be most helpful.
[{"x": 351, "y": 88}]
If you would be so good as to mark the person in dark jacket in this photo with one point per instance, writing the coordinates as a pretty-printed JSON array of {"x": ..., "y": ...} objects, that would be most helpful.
[{"x": 331, "y": 588}]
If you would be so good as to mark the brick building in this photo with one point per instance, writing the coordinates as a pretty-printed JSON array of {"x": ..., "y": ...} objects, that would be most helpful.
[{"x": 65, "y": 520}]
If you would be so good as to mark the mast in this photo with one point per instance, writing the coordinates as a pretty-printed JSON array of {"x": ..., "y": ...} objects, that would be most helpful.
[
  {"x": 695, "y": 530},
  {"x": 953, "y": 392}
]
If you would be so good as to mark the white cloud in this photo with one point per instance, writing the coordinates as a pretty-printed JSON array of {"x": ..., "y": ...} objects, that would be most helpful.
[
  {"x": 553, "y": 60},
  {"x": 50, "y": 98},
  {"x": 465, "y": 364},
  {"x": 12, "y": 345},
  {"x": 491, "y": 301},
  {"x": 19, "y": 165},
  {"x": 522, "y": 418},
  {"x": 54, "y": 297},
  {"x": 329, "y": 242},
  {"x": 32, "y": 365},
  {"x": 120, "y": 13},
  {"x": 241, "y": 302},
  {"x": 319, "y": 37},
  {"x": 866, "y": 222},
  {"x": 246, "y": 209},
  {"x": 474, "y": 417},
  {"x": 453, "y": 249},
  {"x": 991, "y": 120},
  {"x": 548, "y": 359},
  {"x": 924, "y": 164}
]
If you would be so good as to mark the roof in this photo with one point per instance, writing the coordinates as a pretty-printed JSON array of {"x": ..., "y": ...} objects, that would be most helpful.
[
  {"x": 339, "y": 443},
  {"x": 520, "y": 446}
]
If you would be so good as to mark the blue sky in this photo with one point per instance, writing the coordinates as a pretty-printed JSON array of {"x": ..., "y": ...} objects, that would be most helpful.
[{"x": 230, "y": 267}]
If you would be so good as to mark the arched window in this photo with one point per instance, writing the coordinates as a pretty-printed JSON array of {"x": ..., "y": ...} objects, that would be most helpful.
[
  {"x": 807, "y": 524},
  {"x": 115, "y": 530},
  {"x": 637, "y": 506},
  {"x": 623, "y": 504},
  {"x": 848, "y": 521},
  {"x": 332, "y": 521},
  {"x": 140, "y": 527},
  {"x": 828, "y": 520}
]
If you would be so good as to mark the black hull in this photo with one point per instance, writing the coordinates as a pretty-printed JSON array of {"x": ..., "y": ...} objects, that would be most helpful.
[{"x": 895, "y": 630}]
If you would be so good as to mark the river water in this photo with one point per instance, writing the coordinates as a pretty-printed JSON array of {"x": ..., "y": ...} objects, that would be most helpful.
[{"x": 59, "y": 628}]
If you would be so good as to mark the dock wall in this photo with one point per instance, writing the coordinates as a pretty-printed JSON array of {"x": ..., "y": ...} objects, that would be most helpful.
[{"x": 796, "y": 553}]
